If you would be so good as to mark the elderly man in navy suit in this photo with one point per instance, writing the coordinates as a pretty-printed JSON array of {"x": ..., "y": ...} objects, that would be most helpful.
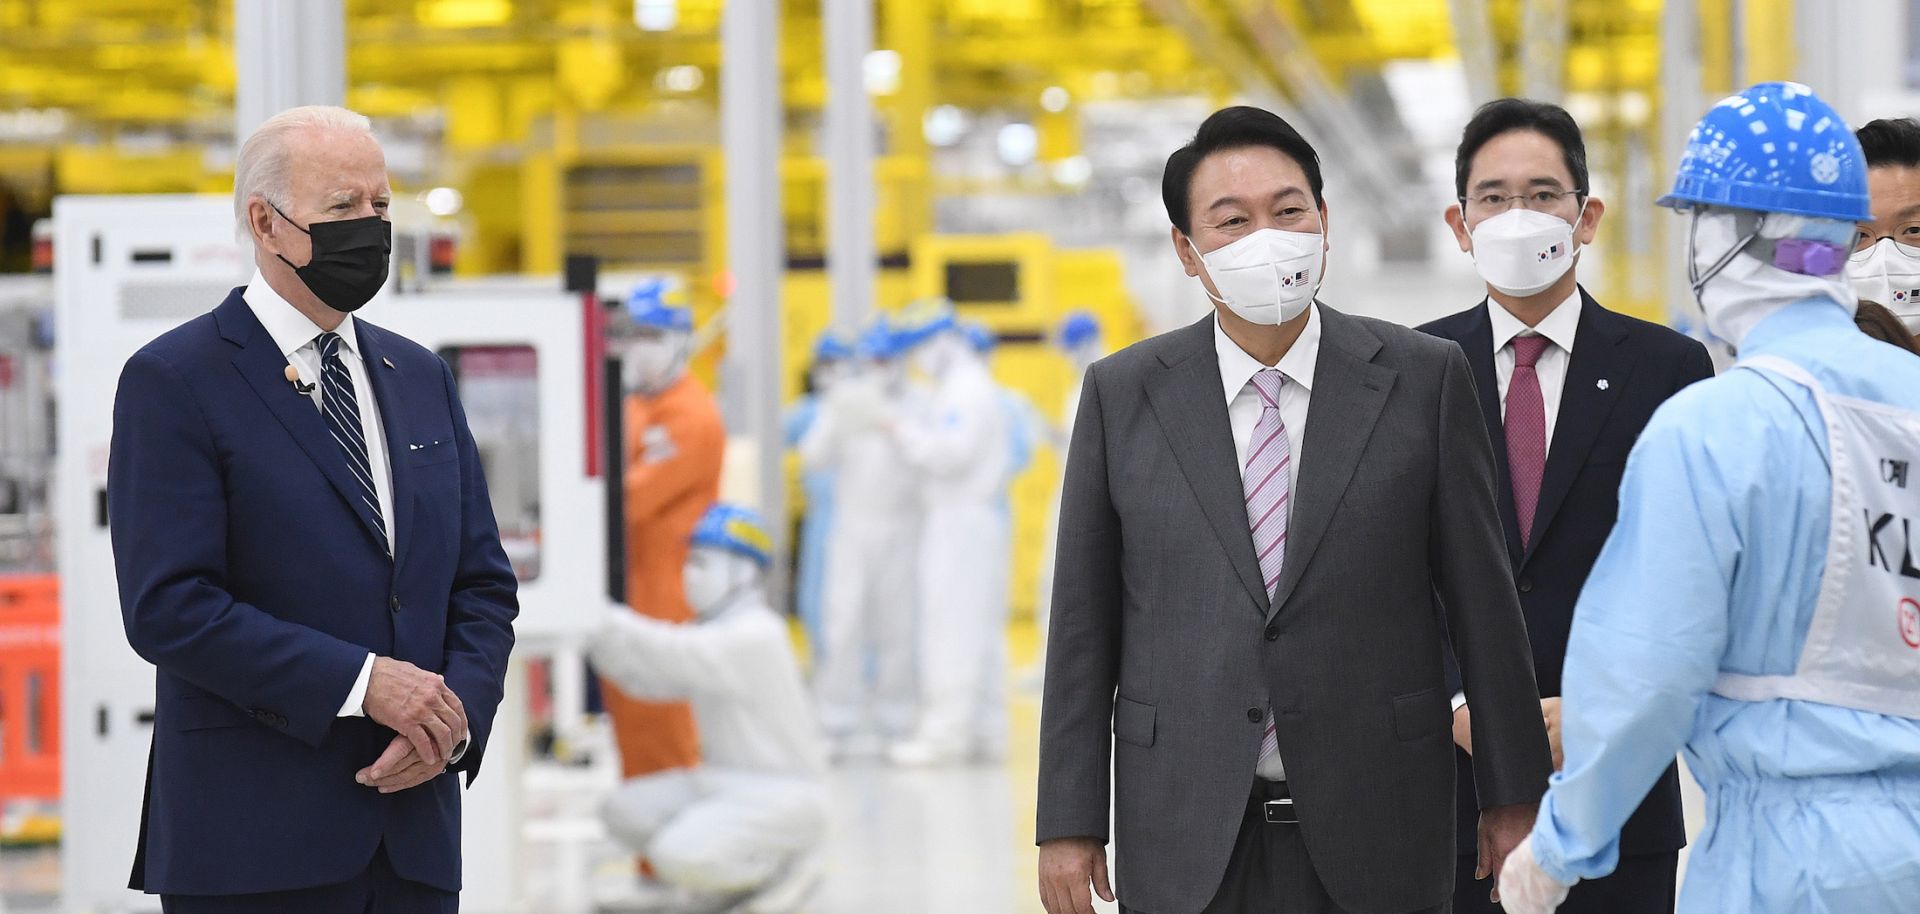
[{"x": 307, "y": 556}]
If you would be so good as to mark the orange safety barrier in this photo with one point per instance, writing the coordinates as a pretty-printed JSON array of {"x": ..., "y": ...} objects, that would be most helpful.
[{"x": 29, "y": 687}]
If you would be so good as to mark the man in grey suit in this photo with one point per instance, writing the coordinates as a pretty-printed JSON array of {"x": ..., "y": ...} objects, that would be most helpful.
[{"x": 1259, "y": 513}]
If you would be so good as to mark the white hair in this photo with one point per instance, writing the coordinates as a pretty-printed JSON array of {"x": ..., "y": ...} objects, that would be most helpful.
[{"x": 262, "y": 167}]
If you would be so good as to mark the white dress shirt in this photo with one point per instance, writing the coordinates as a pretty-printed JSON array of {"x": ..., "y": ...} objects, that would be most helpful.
[
  {"x": 1558, "y": 327},
  {"x": 1244, "y": 406},
  {"x": 295, "y": 334}
]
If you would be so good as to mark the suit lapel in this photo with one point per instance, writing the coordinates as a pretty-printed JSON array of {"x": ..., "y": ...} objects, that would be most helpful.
[
  {"x": 1584, "y": 405},
  {"x": 1187, "y": 400},
  {"x": 1348, "y": 394},
  {"x": 388, "y": 386},
  {"x": 1477, "y": 343},
  {"x": 260, "y": 362}
]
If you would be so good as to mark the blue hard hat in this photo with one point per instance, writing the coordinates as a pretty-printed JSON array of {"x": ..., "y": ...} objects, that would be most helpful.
[
  {"x": 831, "y": 347},
  {"x": 876, "y": 342},
  {"x": 1774, "y": 148},
  {"x": 736, "y": 529},
  {"x": 982, "y": 339},
  {"x": 922, "y": 321},
  {"x": 647, "y": 306},
  {"x": 1080, "y": 327}
]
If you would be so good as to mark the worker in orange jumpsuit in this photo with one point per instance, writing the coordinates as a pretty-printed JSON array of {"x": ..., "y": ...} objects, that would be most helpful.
[{"x": 674, "y": 439}]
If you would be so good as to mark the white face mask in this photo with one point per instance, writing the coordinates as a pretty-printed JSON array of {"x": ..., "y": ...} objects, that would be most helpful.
[
  {"x": 1268, "y": 277},
  {"x": 651, "y": 363},
  {"x": 1889, "y": 273},
  {"x": 1521, "y": 252},
  {"x": 1083, "y": 356},
  {"x": 1737, "y": 290},
  {"x": 713, "y": 577},
  {"x": 828, "y": 375},
  {"x": 937, "y": 356}
]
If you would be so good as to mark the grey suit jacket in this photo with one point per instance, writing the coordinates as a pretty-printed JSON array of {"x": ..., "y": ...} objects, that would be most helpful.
[{"x": 1163, "y": 632}]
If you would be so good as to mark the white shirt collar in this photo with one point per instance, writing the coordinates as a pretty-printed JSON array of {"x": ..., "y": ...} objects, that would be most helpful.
[
  {"x": 1237, "y": 367},
  {"x": 1558, "y": 326},
  {"x": 289, "y": 328}
]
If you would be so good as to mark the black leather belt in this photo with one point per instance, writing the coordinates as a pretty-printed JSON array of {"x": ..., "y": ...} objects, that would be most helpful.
[{"x": 1273, "y": 803}]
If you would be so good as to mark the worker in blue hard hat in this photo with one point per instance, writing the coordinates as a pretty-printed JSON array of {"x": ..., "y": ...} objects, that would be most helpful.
[
  {"x": 959, "y": 444},
  {"x": 673, "y": 446},
  {"x": 1755, "y": 602},
  {"x": 742, "y": 830},
  {"x": 1079, "y": 339},
  {"x": 1023, "y": 422},
  {"x": 832, "y": 358},
  {"x": 864, "y": 673}
]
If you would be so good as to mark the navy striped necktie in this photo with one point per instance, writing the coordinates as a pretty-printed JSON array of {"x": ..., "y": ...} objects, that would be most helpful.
[{"x": 341, "y": 409}]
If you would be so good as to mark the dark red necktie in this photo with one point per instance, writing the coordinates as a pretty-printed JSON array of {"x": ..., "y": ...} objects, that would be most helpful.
[{"x": 1526, "y": 431}]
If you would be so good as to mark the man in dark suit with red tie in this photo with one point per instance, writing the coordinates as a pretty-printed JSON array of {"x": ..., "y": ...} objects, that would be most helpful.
[{"x": 1565, "y": 386}]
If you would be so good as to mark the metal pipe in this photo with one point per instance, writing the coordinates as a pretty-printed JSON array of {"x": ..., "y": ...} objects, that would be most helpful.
[
  {"x": 750, "y": 129},
  {"x": 286, "y": 53},
  {"x": 847, "y": 27}
]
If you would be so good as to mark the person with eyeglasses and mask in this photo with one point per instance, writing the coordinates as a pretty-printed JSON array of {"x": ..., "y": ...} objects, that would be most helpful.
[
  {"x": 1756, "y": 603},
  {"x": 307, "y": 555},
  {"x": 1565, "y": 387},
  {"x": 1244, "y": 663},
  {"x": 1886, "y": 251}
]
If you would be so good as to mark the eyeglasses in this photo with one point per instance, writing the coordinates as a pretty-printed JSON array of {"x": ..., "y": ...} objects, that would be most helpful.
[{"x": 1539, "y": 201}]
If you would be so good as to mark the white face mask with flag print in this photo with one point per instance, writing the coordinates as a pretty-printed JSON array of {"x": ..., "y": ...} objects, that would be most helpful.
[
  {"x": 1889, "y": 273},
  {"x": 1521, "y": 252},
  {"x": 1268, "y": 277}
]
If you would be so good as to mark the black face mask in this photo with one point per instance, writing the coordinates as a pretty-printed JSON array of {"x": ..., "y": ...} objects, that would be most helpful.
[{"x": 349, "y": 262}]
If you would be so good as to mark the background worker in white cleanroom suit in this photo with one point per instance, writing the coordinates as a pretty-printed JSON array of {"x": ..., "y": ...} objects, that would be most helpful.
[
  {"x": 1023, "y": 422},
  {"x": 864, "y": 677},
  {"x": 832, "y": 360},
  {"x": 744, "y": 827},
  {"x": 959, "y": 445},
  {"x": 1080, "y": 341}
]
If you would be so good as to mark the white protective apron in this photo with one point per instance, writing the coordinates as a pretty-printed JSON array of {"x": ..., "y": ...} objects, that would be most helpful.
[{"x": 1863, "y": 646}]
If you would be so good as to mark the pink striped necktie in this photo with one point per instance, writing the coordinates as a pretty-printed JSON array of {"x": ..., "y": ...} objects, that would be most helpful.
[
  {"x": 1268, "y": 490},
  {"x": 1526, "y": 427}
]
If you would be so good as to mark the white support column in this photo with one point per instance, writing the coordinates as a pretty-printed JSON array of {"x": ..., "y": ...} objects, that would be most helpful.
[
  {"x": 1681, "y": 105},
  {"x": 1857, "y": 62},
  {"x": 286, "y": 53},
  {"x": 847, "y": 27},
  {"x": 1473, "y": 36},
  {"x": 1543, "y": 49},
  {"x": 750, "y": 132}
]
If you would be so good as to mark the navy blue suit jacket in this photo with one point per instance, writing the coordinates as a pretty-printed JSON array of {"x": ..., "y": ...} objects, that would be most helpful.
[
  {"x": 251, "y": 578},
  {"x": 1642, "y": 364}
]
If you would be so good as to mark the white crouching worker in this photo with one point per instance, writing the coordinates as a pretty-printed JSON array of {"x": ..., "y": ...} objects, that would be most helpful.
[{"x": 741, "y": 832}]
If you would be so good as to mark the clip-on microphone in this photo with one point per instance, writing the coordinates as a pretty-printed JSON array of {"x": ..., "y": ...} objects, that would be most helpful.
[{"x": 293, "y": 375}]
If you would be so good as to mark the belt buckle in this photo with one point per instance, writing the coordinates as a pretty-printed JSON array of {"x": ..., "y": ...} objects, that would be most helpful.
[{"x": 1279, "y": 812}]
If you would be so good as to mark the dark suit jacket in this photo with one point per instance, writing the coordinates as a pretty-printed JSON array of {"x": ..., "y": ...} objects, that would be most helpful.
[
  {"x": 1162, "y": 629},
  {"x": 1642, "y": 365},
  {"x": 251, "y": 578}
]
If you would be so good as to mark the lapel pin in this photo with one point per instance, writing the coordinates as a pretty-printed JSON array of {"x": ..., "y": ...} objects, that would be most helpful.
[
  {"x": 387, "y": 362},
  {"x": 1602, "y": 384}
]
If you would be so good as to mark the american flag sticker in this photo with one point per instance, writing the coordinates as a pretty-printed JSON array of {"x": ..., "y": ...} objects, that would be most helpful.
[
  {"x": 1553, "y": 252},
  {"x": 1297, "y": 279}
]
